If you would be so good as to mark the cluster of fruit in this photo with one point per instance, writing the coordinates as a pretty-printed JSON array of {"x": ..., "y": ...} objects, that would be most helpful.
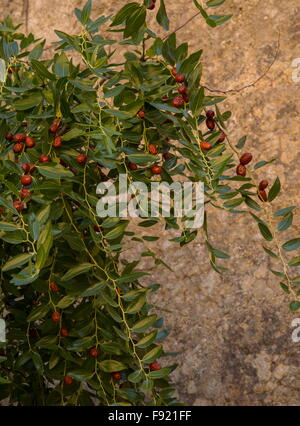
[
  {"x": 23, "y": 142},
  {"x": 242, "y": 171},
  {"x": 68, "y": 380},
  {"x": 211, "y": 125},
  {"x": 93, "y": 352},
  {"x": 153, "y": 150}
]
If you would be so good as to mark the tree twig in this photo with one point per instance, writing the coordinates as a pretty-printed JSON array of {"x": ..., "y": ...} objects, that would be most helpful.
[
  {"x": 26, "y": 13},
  {"x": 254, "y": 82},
  {"x": 181, "y": 26}
]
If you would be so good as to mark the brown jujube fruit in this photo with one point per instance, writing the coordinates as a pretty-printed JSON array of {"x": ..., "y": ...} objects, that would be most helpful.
[
  {"x": 210, "y": 114},
  {"x": 263, "y": 185},
  {"x": 64, "y": 332},
  {"x": 210, "y": 124},
  {"x": 246, "y": 158},
  {"x": 156, "y": 170},
  {"x": 30, "y": 143},
  {"x": 154, "y": 366},
  {"x": 18, "y": 147},
  {"x": 68, "y": 380},
  {"x": 116, "y": 375},
  {"x": 206, "y": 146},
  {"x": 153, "y": 149},
  {"x": 132, "y": 166},
  {"x": 241, "y": 170},
  {"x": 178, "y": 101},
  {"x": 55, "y": 316},
  {"x": 263, "y": 195},
  {"x": 221, "y": 138},
  {"x": 26, "y": 180}
]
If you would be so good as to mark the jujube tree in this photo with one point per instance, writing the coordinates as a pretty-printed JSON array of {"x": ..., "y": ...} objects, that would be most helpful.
[{"x": 81, "y": 329}]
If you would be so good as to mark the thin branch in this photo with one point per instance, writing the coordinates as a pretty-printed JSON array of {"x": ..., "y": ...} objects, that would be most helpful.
[
  {"x": 254, "y": 82},
  {"x": 26, "y": 13},
  {"x": 181, "y": 26}
]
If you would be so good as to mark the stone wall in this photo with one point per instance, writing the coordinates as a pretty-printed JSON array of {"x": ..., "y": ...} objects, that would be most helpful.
[{"x": 233, "y": 331}]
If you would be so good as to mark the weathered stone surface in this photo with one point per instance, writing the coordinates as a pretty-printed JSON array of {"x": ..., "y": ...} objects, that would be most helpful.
[{"x": 232, "y": 331}]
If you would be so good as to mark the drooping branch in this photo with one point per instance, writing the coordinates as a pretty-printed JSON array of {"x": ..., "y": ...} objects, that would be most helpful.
[
  {"x": 247, "y": 86},
  {"x": 182, "y": 26}
]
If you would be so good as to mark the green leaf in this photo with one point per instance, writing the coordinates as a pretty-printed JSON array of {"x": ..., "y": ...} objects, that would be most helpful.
[
  {"x": 54, "y": 172},
  {"x": 43, "y": 215},
  {"x": 17, "y": 261},
  {"x": 37, "y": 51},
  {"x": 189, "y": 64},
  {"x": 152, "y": 355},
  {"x": 135, "y": 21},
  {"x": 196, "y": 103},
  {"x": 295, "y": 261},
  {"x": 233, "y": 203},
  {"x": 86, "y": 12},
  {"x": 129, "y": 278},
  {"x": 71, "y": 41},
  {"x": 294, "y": 306},
  {"x": 47, "y": 342},
  {"x": 142, "y": 325},
  {"x": 72, "y": 134},
  {"x": 94, "y": 289},
  {"x": 263, "y": 163},
  {"x": 111, "y": 348},
  {"x": 80, "y": 345},
  {"x": 123, "y": 115},
  {"x": 162, "y": 17},
  {"x": 284, "y": 287},
  {"x": 136, "y": 376},
  {"x": 80, "y": 375},
  {"x": 137, "y": 305},
  {"x": 169, "y": 48},
  {"x": 290, "y": 245},
  {"x": 41, "y": 70},
  {"x": 61, "y": 65},
  {"x": 241, "y": 142},
  {"x": 111, "y": 366},
  {"x": 44, "y": 245},
  {"x": 202, "y": 11},
  {"x": 116, "y": 232},
  {"x": 214, "y": 3},
  {"x": 277, "y": 273},
  {"x": 65, "y": 302},
  {"x": 274, "y": 191},
  {"x": 220, "y": 254},
  {"x": 8, "y": 227},
  {"x": 286, "y": 222},
  {"x": 218, "y": 20},
  {"x": 38, "y": 362},
  {"x": 265, "y": 231},
  {"x": 28, "y": 102},
  {"x": 142, "y": 158},
  {"x": 159, "y": 374},
  {"x": 124, "y": 13},
  {"x": 252, "y": 204},
  {"x": 270, "y": 252},
  {"x": 38, "y": 313},
  {"x": 147, "y": 340},
  {"x": 147, "y": 384},
  {"x": 77, "y": 270},
  {"x": 283, "y": 212},
  {"x": 4, "y": 381}
]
